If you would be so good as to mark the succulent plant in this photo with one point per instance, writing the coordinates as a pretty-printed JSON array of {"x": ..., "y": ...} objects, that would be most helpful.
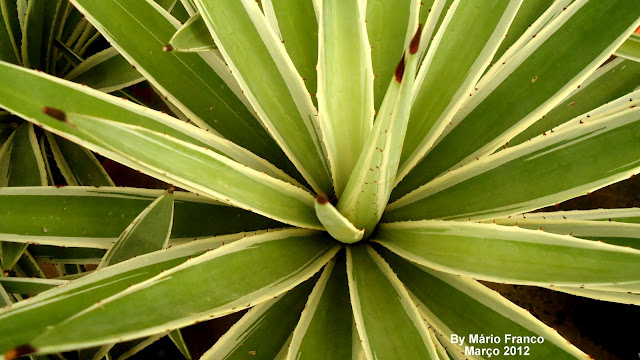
[{"x": 352, "y": 223}]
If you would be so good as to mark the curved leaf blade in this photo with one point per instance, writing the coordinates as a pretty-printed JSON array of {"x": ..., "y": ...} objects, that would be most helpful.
[
  {"x": 268, "y": 77},
  {"x": 462, "y": 306},
  {"x": 198, "y": 169},
  {"x": 510, "y": 254},
  {"x": 148, "y": 232},
  {"x": 382, "y": 306},
  {"x": 326, "y": 319},
  {"x": 579, "y": 40},
  {"x": 213, "y": 290}
]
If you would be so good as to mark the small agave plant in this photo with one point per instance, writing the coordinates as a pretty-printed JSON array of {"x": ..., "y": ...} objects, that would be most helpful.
[{"x": 354, "y": 223}]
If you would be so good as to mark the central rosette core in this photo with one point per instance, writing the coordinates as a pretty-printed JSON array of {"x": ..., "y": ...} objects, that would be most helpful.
[{"x": 335, "y": 223}]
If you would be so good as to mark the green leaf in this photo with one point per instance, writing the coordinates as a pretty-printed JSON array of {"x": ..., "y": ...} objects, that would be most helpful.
[
  {"x": 72, "y": 97},
  {"x": 345, "y": 86},
  {"x": 193, "y": 36},
  {"x": 77, "y": 164},
  {"x": 264, "y": 329},
  {"x": 299, "y": 33},
  {"x": 27, "y": 164},
  {"x": 534, "y": 174},
  {"x": 370, "y": 184},
  {"x": 106, "y": 71},
  {"x": 528, "y": 26},
  {"x": 8, "y": 48},
  {"x": 25, "y": 168},
  {"x": 5, "y": 299},
  {"x": 95, "y": 217},
  {"x": 167, "y": 4},
  {"x": 11, "y": 253},
  {"x": 390, "y": 26},
  {"x": 542, "y": 74},
  {"x": 510, "y": 254},
  {"x": 176, "y": 337},
  {"x": 528, "y": 13},
  {"x": 630, "y": 49},
  {"x": 32, "y": 30},
  {"x": 326, "y": 319},
  {"x": 627, "y": 215},
  {"x": 337, "y": 225},
  {"x": 147, "y": 233},
  {"x": 186, "y": 79},
  {"x": 29, "y": 286},
  {"x": 611, "y": 232},
  {"x": 447, "y": 75},
  {"x": 611, "y": 81},
  {"x": 31, "y": 317},
  {"x": 462, "y": 306},
  {"x": 198, "y": 169},
  {"x": 432, "y": 14},
  {"x": 268, "y": 77},
  {"x": 212, "y": 290},
  {"x": 52, "y": 14},
  {"x": 381, "y": 306},
  {"x": 29, "y": 267}
]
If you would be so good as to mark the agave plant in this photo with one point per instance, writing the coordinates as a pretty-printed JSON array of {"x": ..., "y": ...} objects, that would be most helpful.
[{"x": 355, "y": 229}]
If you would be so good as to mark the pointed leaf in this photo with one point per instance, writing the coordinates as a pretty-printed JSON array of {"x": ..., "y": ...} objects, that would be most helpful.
[
  {"x": 611, "y": 81},
  {"x": 27, "y": 164},
  {"x": 193, "y": 36},
  {"x": 105, "y": 71},
  {"x": 264, "y": 329},
  {"x": 299, "y": 33},
  {"x": 32, "y": 30},
  {"x": 543, "y": 73},
  {"x": 57, "y": 93},
  {"x": 11, "y": 253},
  {"x": 371, "y": 182},
  {"x": 326, "y": 319},
  {"x": 198, "y": 169},
  {"x": 337, "y": 225},
  {"x": 447, "y": 75},
  {"x": 271, "y": 83},
  {"x": 630, "y": 49},
  {"x": 611, "y": 232},
  {"x": 381, "y": 306},
  {"x": 213, "y": 290},
  {"x": 462, "y": 306},
  {"x": 510, "y": 254},
  {"x": 528, "y": 13},
  {"x": 187, "y": 80},
  {"x": 595, "y": 153},
  {"x": 390, "y": 26},
  {"x": 95, "y": 217},
  {"x": 77, "y": 164},
  {"x": 8, "y": 49},
  {"x": 148, "y": 232},
  {"x": 176, "y": 337},
  {"x": 31, "y": 317},
  {"x": 345, "y": 86}
]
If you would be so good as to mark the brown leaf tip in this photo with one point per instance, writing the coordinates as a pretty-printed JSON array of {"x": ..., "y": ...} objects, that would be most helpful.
[
  {"x": 322, "y": 199},
  {"x": 21, "y": 350},
  {"x": 171, "y": 190},
  {"x": 415, "y": 42},
  {"x": 55, "y": 113},
  {"x": 400, "y": 70},
  {"x": 167, "y": 48}
]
